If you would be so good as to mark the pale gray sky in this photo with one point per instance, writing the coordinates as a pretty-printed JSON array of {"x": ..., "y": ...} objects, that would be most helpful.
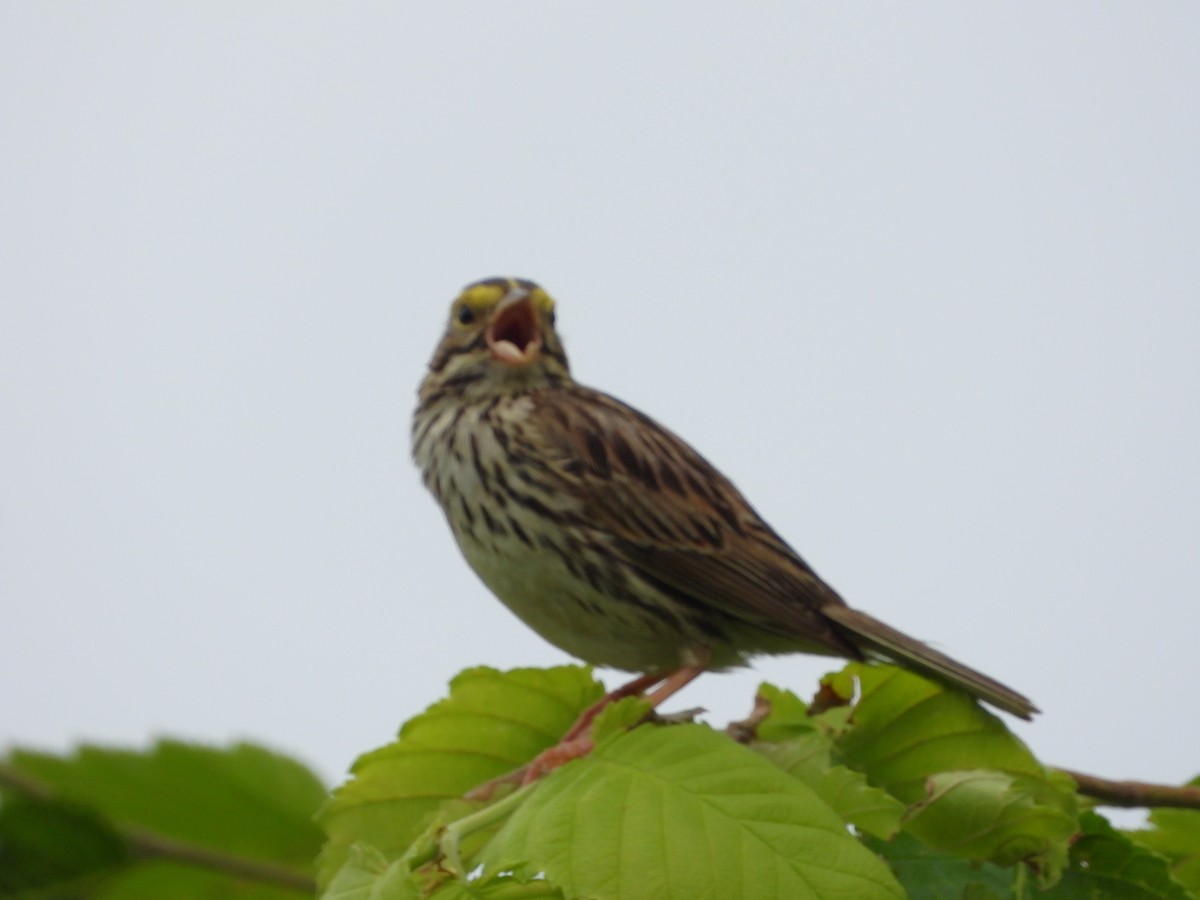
[{"x": 923, "y": 280}]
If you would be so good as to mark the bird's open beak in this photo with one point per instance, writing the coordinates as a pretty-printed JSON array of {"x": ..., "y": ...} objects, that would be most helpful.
[{"x": 513, "y": 335}]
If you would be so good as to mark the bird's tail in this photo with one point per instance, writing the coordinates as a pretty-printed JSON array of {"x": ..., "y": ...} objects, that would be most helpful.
[{"x": 876, "y": 636}]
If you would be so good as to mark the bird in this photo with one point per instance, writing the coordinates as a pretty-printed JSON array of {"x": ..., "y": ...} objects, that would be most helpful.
[{"x": 609, "y": 535}]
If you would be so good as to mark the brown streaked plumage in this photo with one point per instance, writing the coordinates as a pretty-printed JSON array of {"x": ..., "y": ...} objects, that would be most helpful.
[{"x": 606, "y": 533}]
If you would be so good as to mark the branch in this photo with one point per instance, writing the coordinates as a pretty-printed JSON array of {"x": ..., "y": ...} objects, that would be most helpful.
[
  {"x": 1135, "y": 793},
  {"x": 151, "y": 845}
]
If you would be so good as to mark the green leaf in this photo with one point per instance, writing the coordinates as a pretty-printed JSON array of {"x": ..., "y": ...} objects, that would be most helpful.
[
  {"x": 683, "y": 812},
  {"x": 1176, "y": 835},
  {"x": 867, "y": 808},
  {"x": 1106, "y": 863},
  {"x": 492, "y": 723},
  {"x": 930, "y": 874},
  {"x": 786, "y": 717},
  {"x": 366, "y": 874},
  {"x": 160, "y": 879},
  {"x": 501, "y": 888},
  {"x": 624, "y": 714},
  {"x": 905, "y": 728},
  {"x": 246, "y": 799},
  {"x": 972, "y": 786},
  {"x": 47, "y": 843},
  {"x": 1003, "y": 818},
  {"x": 789, "y": 737},
  {"x": 117, "y": 823}
]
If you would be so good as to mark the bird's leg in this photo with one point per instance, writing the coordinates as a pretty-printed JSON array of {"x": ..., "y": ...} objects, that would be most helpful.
[
  {"x": 577, "y": 741},
  {"x": 674, "y": 683},
  {"x": 670, "y": 685},
  {"x": 629, "y": 689}
]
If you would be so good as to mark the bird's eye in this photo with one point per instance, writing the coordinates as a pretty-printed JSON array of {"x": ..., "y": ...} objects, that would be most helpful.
[
  {"x": 465, "y": 315},
  {"x": 550, "y": 318}
]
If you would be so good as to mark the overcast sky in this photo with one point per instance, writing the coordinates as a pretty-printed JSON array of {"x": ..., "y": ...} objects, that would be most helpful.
[{"x": 924, "y": 281}]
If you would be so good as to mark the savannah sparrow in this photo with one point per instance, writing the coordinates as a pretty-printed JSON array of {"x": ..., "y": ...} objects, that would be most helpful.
[{"x": 607, "y": 534}]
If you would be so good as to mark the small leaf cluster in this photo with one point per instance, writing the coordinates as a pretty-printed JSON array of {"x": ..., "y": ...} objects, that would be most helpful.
[
  {"x": 887, "y": 786},
  {"x": 898, "y": 787}
]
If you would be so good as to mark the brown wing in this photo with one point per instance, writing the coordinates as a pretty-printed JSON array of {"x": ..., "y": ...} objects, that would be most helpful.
[
  {"x": 688, "y": 530},
  {"x": 681, "y": 523}
]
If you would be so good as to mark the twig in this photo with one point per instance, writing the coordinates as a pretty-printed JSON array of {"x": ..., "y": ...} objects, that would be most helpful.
[
  {"x": 16, "y": 780},
  {"x": 1131, "y": 794},
  {"x": 154, "y": 846}
]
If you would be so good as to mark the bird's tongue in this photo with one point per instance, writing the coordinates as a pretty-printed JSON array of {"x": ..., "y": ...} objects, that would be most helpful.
[{"x": 513, "y": 334}]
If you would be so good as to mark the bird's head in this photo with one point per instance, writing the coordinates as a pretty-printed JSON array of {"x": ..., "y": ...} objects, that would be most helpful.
[{"x": 500, "y": 340}]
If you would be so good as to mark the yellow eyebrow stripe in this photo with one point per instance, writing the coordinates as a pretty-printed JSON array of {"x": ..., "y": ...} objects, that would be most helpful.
[{"x": 485, "y": 294}]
